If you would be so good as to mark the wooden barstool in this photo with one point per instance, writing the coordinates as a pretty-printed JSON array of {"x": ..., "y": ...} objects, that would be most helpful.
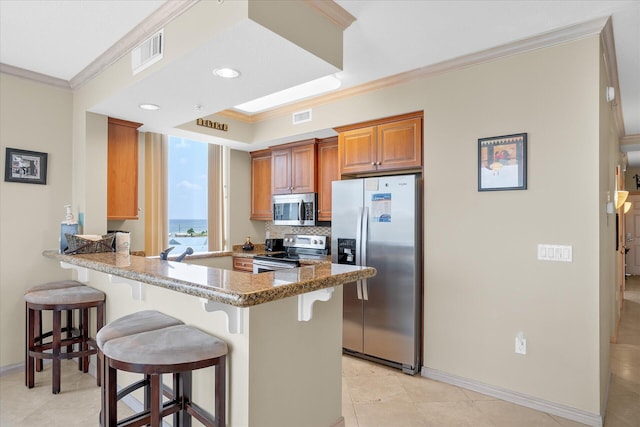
[
  {"x": 131, "y": 324},
  {"x": 176, "y": 350},
  {"x": 58, "y": 297}
]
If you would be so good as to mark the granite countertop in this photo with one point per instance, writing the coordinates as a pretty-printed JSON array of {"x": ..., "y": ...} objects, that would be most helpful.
[{"x": 226, "y": 286}]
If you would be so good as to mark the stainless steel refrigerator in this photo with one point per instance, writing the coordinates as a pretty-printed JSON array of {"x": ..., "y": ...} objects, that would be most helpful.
[{"x": 377, "y": 222}]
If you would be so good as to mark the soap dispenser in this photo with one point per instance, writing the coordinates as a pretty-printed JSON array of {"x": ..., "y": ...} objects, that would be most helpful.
[{"x": 68, "y": 226}]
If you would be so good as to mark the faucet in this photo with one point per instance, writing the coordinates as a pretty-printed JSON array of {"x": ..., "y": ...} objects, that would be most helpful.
[
  {"x": 188, "y": 251},
  {"x": 164, "y": 255}
]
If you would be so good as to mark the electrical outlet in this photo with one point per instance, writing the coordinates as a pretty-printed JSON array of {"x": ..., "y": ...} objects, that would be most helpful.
[{"x": 521, "y": 343}]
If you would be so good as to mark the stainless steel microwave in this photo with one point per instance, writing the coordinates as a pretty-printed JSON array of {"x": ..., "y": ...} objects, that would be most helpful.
[{"x": 295, "y": 209}]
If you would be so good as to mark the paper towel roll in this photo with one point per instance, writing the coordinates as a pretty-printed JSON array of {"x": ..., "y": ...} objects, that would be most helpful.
[{"x": 122, "y": 242}]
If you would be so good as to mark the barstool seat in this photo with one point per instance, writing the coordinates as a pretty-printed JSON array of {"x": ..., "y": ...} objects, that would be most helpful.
[
  {"x": 60, "y": 296},
  {"x": 141, "y": 321},
  {"x": 178, "y": 350}
]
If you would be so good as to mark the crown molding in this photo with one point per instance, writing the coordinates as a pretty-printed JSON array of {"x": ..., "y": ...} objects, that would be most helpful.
[
  {"x": 629, "y": 140},
  {"x": 158, "y": 19},
  {"x": 544, "y": 40},
  {"x": 332, "y": 11},
  {"x": 32, "y": 75}
]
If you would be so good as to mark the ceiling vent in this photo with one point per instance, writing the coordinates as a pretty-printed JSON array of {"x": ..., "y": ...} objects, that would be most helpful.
[
  {"x": 148, "y": 52},
  {"x": 302, "y": 116}
]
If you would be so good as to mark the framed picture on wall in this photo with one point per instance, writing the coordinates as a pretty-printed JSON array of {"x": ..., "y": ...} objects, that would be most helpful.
[
  {"x": 25, "y": 166},
  {"x": 502, "y": 163}
]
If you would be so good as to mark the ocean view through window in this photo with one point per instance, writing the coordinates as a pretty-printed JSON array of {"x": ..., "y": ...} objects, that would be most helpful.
[{"x": 187, "y": 195}]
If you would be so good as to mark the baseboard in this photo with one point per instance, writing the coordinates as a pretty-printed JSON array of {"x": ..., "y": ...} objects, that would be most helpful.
[
  {"x": 605, "y": 402},
  {"x": 12, "y": 369},
  {"x": 563, "y": 411}
]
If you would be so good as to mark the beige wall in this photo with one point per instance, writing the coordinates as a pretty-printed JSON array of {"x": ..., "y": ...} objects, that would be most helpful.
[
  {"x": 32, "y": 117},
  {"x": 239, "y": 197},
  {"x": 482, "y": 280}
]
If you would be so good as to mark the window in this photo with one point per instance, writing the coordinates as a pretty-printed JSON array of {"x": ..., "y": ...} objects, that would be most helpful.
[
  {"x": 187, "y": 195},
  {"x": 195, "y": 194}
]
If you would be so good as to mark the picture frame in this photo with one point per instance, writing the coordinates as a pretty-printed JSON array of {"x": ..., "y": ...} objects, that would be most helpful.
[
  {"x": 502, "y": 162},
  {"x": 25, "y": 166}
]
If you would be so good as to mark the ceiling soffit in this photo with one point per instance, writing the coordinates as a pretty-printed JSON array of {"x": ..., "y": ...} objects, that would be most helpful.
[
  {"x": 600, "y": 26},
  {"x": 269, "y": 62}
]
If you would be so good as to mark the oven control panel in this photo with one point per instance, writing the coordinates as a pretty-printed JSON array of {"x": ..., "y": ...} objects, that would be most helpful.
[{"x": 305, "y": 241}]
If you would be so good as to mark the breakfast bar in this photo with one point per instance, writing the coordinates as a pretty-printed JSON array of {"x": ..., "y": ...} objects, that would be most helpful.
[{"x": 283, "y": 328}]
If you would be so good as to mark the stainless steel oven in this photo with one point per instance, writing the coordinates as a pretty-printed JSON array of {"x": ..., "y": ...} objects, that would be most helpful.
[
  {"x": 296, "y": 248},
  {"x": 263, "y": 263},
  {"x": 295, "y": 209}
]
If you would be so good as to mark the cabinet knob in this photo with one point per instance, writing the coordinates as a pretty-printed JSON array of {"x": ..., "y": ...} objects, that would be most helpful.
[{"x": 373, "y": 163}]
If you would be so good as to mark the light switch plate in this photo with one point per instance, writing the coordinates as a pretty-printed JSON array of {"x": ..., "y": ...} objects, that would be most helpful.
[{"x": 559, "y": 253}]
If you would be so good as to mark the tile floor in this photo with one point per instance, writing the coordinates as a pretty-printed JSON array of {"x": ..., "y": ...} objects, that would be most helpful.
[{"x": 373, "y": 395}]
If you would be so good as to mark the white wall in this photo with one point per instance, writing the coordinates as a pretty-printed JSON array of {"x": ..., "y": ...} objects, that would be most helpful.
[{"x": 33, "y": 117}]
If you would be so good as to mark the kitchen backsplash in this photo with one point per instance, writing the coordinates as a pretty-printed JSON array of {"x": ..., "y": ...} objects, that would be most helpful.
[{"x": 278, "y": 231}]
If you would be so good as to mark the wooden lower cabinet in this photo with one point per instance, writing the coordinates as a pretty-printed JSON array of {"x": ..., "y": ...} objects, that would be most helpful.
[
  {"x": 328, "y": 172},
  {"x": 243, "y": 264}
]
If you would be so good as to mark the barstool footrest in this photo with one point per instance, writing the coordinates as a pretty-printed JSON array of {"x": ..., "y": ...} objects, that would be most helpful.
[
  {"x": 131, "y": 388},
  {"x": 200, "y": 414},
  {"x": 143, "y": 418}
]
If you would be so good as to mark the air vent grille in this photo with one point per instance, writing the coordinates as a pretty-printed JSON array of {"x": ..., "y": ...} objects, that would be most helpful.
[
  {"x": 147, "y": 53},
  {"x": 302, "y": 116}
]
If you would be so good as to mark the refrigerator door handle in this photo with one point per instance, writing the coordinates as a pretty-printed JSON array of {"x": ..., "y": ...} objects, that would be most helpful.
[
  {"x": 364, "y": 223},
  {"x": 359, "y": 238},
  {"x": 359, "y": 289}
]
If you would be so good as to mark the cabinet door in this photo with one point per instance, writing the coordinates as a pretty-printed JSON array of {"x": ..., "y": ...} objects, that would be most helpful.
[
  {"x": 357, "y": 150},
  {"x": 281, "y": 171},
  {"x": 400, "y": 145},
  {"x": 303, "y": 169},
  {"x": 122, "y": 170},
  {"x": 261, "y": 185},
  {"x": 328, "y": 171}
]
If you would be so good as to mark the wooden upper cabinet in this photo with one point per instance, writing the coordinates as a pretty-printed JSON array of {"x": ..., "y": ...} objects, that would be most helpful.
[
  {"x": 358, "y": 150},
  {"x": 400, "y": 145},
  {"x": 327, "y": 173},
  {"x": 261, "y": 185},
  {"x": 389, "y": 144},
  {"x": 293, "y": 168},
  {"x": 122, "y": 169}
]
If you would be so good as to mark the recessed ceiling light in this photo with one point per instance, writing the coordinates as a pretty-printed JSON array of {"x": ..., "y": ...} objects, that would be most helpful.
[
  {"x": 150, "y": 107},
  {"x": 226, "y": 73},
  {"x": 296, "y": 93}
]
